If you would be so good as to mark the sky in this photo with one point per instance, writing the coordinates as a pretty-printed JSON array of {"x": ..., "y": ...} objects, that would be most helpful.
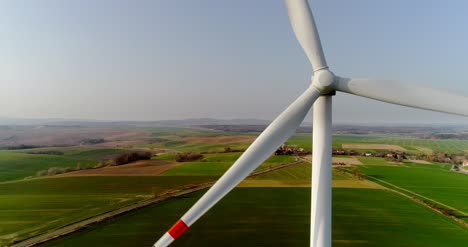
[{"x": 157, "y": 60}]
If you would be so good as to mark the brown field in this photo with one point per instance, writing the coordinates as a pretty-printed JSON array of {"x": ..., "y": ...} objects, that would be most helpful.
[
  {"x": 346, "y": 160},
  {"x": 65, "y": 136},
  {"x": 350, "y": 183},
  {"x": 420, "y": 162},
  {"x": 133, "y": 135},
  {"x": 139, "y": 168},
  {"x": 253, "y": 183},
  {"x": 127, "y": 140},
  {"x": 123, "y": 144},
  {"x": 220, "y": 139},
  {"x": 373, "y": 146}
]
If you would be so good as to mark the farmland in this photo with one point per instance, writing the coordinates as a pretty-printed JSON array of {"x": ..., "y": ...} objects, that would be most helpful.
[
  {"x": 217, "y": 164},
  {"x": 431, "y": 181},
  {"x": 74, "y": 196},
  {"x": 411, "y": 144},
  {"x": 17, "y": 165},
  {"x": 39, "y": 205},
  {"x": 280, "y": 217},
  {"x": 364, "y": 213}
]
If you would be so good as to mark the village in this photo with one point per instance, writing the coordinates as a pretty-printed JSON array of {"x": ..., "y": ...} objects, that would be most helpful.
[{"x": 459, "y": 162}]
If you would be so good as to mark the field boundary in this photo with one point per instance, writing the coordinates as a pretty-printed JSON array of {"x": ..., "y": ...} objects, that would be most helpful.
[{"x": 139, "y": 205}]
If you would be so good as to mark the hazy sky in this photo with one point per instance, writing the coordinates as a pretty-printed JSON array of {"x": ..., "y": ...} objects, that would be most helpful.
[{"x": 154, "y": 60}]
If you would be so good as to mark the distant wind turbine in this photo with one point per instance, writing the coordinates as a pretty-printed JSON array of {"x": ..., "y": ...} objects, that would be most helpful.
[{"x": 323, "y": 87}]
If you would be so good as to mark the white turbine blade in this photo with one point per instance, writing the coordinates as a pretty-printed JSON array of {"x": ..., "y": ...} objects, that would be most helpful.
[
  {"x": 405, "y": 94},
  {"x": 270, "y": 139},
  {"x": 303, "y": 24}
]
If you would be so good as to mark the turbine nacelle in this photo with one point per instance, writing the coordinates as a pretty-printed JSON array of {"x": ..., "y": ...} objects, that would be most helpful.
[{"x": 324, "y": 81}]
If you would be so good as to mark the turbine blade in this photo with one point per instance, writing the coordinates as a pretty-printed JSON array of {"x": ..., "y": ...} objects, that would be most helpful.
[
  {"x": 303, "y": 24},
  {"x": 405, "y": 94},
  {"x": 268, "y": 141}
]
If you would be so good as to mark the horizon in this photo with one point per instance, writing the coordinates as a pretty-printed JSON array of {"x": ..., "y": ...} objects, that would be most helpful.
[{"x": 8, "y": 121}]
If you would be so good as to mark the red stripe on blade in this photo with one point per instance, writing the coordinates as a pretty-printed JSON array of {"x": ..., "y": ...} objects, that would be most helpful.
[{"x": 178, "y": 229}]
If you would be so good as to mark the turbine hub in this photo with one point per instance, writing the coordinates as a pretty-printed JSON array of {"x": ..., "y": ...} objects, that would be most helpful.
[{"x": 324, "y": 81}]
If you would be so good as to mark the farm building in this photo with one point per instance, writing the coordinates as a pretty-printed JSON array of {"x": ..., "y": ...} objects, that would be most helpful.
[{"x": 465, "y": 163}]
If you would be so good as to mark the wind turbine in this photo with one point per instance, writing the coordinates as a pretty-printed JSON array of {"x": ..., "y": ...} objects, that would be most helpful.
[{"x": 323, "y": 87}]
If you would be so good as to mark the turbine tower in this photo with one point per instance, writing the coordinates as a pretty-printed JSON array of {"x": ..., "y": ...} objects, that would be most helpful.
[{"x": 323, "y": 87}]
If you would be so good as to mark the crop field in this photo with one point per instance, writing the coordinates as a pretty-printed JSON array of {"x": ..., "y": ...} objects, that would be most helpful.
[
  {"x": 180, "y": 145},
  {"x": 280, "y": 217},
  {"x": 444, "y": 146},
  {"x": 415, "y": 145},
  {"x": 167, "y": 132},
  {"x": 198, "y": 140},
  {"x": 411, "y": 144},
  {"x": 300, "y": 176},
  {"x": 271, "y": 209},
  {"x": 433, "y": 181},
  {"x": 38, "y": 205},
  {"x": 211, "y": 141},
  {"x": 93, "y": 153},
  {"x": 138, "y": 168},
  {"x": 305, "y": 140},
  {"x": 15, "y": 165},
  {"x": 373, "y": 147},
  {"x": 217, "y": 164}
]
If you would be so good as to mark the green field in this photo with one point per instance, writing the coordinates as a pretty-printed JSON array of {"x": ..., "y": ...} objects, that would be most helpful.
[
  {"x": 280, "y": 217},
  {"x": 167, "y": 132},
  {"x": 451, "y": 146},
  {"x": 444, "y": 146},
  {"x": 15, "y": 165},
  {"x": 305, "y": 140},
  {"x": 433, "y": 181},
  {"x": 93, "y": 153},
  {"x": 172, "y": 138},
  {"x": 218, "y": 164},
  {"x": 39, "y": 205},
  {"x": 413, "y": 145},
  {"x": 301, "y": 172},
  {"x": 197, "y": 147},
  {"x": 271, "y": 209}
]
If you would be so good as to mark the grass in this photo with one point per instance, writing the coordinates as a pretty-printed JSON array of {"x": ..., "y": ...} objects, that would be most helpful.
[
  {"x": 40, "y": 205},
  {"x": 280, "y": 217}
]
